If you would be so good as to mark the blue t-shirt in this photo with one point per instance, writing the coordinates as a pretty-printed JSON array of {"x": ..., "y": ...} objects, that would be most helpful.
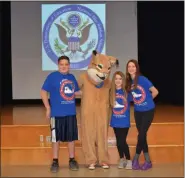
[
  {"x": 62, "y": 88},
  {"x": 142, "y": 97},
  {"x": 121, "y": 111}
]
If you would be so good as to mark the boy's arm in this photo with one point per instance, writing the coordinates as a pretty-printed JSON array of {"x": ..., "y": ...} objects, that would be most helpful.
[
  {"x": 45, "y": 90},
  {"x": 44, "y": 96}
]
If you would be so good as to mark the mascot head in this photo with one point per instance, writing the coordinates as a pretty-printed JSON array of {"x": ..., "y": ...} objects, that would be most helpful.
[{"x": 100, "y": 67}]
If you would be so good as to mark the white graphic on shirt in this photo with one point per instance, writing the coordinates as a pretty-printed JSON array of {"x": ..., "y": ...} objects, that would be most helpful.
[
  {"x": 139, "y": 95},
  {"x": 120, "y": 109},
  {"x": 67, "y": 90},
  {"x": 117, "y": 105},
  {"x": 135, "y": 95}
]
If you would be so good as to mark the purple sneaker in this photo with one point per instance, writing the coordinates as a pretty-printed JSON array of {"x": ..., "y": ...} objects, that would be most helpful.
[
  {"x": 135, "y": 165},
  {"x": 146, "y": 166}
]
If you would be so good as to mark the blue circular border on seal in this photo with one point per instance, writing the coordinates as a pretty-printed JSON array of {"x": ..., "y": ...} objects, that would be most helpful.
[{"x": 68, "y": 8}]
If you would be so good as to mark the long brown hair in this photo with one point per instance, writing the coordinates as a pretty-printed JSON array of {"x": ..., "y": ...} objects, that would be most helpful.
[
  {"x": 113, "y": 87},
  {"x": 128, "y": 77}
]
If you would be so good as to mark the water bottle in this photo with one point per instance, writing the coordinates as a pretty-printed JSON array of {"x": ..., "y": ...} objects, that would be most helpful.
[
  {"x": 41, "y": 138},
  {"x": 48, "y": 139}
]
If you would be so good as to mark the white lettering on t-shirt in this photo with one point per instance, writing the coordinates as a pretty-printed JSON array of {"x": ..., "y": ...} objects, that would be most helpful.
[
  {"x": 142, "y": 104},
  {"x": 67, "y": 102},
  {"x": 118, "y": 116}
]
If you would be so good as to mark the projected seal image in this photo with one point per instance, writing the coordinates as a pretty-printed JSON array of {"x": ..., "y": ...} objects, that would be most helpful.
[{"x": 74, "y": 31}]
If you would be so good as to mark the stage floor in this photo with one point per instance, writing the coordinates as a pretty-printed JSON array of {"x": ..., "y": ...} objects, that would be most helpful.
[
  {"x": 35, "y": 115},
  {"x": 164, "y": 170},
  {"x": 22, "y": 157}
]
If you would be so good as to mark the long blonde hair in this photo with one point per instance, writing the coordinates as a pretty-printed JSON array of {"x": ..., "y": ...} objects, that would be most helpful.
[{"x": 113, "y": 87}]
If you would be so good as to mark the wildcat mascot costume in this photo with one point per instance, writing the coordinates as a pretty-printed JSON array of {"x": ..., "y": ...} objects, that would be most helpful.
[{"x": 95, "y": 85}]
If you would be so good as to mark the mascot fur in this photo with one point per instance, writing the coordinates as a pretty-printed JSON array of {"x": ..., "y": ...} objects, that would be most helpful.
[{"x": 95, "y": 85}]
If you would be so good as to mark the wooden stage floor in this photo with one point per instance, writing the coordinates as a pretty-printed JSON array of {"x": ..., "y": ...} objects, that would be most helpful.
[
  {"x": 35, "y": 115},
  {"x": 21, "y": 156},
  {"x": 167, "y": 171}
]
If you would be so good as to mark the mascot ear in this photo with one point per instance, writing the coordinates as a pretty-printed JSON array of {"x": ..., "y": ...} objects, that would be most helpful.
[
  {"x": 114, "y": 61},
  {"x": 95, "y": 56},
  {"x": 94, "y": 52}
]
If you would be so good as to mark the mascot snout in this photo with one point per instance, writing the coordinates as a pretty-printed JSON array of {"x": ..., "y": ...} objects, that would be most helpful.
[{"x": 100, "y": 67}]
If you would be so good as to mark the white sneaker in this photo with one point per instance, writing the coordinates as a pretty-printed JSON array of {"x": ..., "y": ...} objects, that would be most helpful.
[
  {"x": 92, "y": 166},
  {"x": 129, "y": 164},
  {"x": 105, "y": 166},
  {"x": 122, "y": 163}
]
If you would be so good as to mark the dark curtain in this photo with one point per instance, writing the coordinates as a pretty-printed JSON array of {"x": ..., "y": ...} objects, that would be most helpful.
[{"x": 161, "y": 47}]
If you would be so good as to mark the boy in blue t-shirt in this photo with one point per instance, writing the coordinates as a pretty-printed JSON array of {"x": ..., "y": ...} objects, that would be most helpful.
[
  {"x": 62, "y": 87},
  {"x": 120, "y": 119}
]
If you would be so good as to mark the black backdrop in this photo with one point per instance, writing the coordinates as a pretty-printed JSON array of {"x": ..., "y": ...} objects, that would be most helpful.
[{"x": 160, "y": 49}]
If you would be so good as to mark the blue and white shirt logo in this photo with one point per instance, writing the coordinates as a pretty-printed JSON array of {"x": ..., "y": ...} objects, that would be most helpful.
[
  {"x": 138, "y": 94},
  {"x": 74, "y": 31}
]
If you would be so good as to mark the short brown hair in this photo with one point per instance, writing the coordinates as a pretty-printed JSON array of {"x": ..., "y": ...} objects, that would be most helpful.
[{"x": 63, "y": 58}]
